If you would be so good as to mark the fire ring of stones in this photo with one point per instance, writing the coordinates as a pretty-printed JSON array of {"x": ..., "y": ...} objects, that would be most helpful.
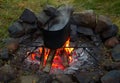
[{"x": 61, "y": 46}]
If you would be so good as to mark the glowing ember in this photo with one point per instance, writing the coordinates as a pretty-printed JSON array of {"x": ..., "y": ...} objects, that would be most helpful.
[
  {"x": 57, "y": 61},
  {"x": 33, "y": 56}
]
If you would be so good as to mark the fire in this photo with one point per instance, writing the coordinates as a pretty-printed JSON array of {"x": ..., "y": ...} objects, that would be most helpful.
[
  {"x": 68, "y": 50},
  {"x": 46, "y": 53},
  {"x": 57, "y": 61},
  {"x": 67, "y": 44},
  {"x": 33, "y": 56}
]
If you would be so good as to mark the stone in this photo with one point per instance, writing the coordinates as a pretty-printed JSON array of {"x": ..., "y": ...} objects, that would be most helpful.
[
  {"x": 62, "y": 78},
  {"x": 55, "y": 81},
  {"x": 110, "y": 32},
  {"x": 116, "y": 53},
  {"x": 12, "y": 45},
  {"x": 88, "y": 77},
  {"x": 86, "y": 18},
  {"x": 19, "y": 29},
  {"x": 16, "y": 30},
  {"x": 29, "y": 79},
  {"x": 96, "y": 39},
  {"x": 29, "y": 28},
  {"x": 28, "y": 16},
  {"x": 37, "y": 34},
  {"x": 7, "y": 74},
  {"x": 111, "y": 42},
  {"x": 111, "y": 77},
  {"x": 102, "y": 24},
  {"x": 111, "y": 66},
  {"x": 5, "y": 55},
  {"x": 85, "y": 31},
  {"x": 45, "y": 78}
]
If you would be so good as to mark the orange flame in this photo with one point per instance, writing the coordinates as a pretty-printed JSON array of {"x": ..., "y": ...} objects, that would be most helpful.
[
  {"x": 67, "y": 44},
  {"x": 57, "y": 61},
  {"x": 33, "y": 56},
  {"x": 46, "y": 53},
  {"x": 68, "y": 50}
]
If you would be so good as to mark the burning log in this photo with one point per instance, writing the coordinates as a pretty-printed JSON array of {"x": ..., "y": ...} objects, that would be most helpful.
[
  {"x": 49, "y": 61},
  {"x": 42, "y": 59}
]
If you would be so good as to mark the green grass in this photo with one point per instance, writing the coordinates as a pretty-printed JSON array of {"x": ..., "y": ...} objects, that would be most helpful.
[{"x": 10, "y": 10}]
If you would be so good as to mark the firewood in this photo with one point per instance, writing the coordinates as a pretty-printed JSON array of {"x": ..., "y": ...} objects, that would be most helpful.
[
  {"x": 42, "y": 59},
  {"x": 49, "y": 61}
]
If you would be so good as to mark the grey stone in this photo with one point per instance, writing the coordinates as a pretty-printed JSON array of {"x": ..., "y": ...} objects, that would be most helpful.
[
  {"x": 110, "y": 32},
  {"x": 12, "y": 44},
  {"x": 45, "y": 78},
  {"x": 116, "y": 53},
  {"x": 111, "y": 77},
  {"x": 5, "y": 55},
  {"x": 64, "y": 78},
  {"x": 85, "y": 31},
  {"x": 111, "y": 65},
  {"x": 87, "y": 77},
  {"x": 16, "y": 30},
  {"x": 29, "y": 28},
  {"x": 25, "y": 39},
  {"x": 86, "y": 18},
  {"x": 102, "y": 24},
  {"x": 96, "y": 39},
  {"x": 19, "y": 29},
  {"x": 28, "y": 16},
  {"x": 111, "y": 42},
  {"x": 29, "y": 79},
  {"x": 55, "y": 81},
  {"x": 7, "y": 74}
]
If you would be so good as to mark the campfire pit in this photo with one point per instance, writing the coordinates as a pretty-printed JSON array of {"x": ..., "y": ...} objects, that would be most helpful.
[{"x": 61, "y": 43}]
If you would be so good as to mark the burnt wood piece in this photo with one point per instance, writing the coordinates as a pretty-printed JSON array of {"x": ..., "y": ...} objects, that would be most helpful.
[
  {"x": 49, "y": 61},
  {"x": 42, "y": 59}
]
